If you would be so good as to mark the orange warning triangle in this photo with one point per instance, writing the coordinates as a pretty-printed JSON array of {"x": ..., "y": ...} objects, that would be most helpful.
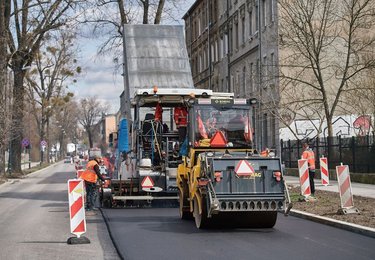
[
  {"x": 218, "y": 140},
  {"x": 147, "y": 182},
  {"x": 244, "y": 168}
]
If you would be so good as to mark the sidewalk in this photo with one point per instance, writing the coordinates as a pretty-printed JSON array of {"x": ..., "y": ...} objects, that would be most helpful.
[
  {"x": 358, "y": 189},
  {"x": 25, "y": 165}
]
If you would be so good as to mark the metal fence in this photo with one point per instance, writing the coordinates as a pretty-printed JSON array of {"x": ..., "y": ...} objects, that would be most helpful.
[{"x": 357, "y": 152}]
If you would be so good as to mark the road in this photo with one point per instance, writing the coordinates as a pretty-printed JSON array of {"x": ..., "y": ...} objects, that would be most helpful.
[
  {"x": 34, "y": 224},
  {"x": 34, "y": 220},
  {"x": 160, "y": 234}
]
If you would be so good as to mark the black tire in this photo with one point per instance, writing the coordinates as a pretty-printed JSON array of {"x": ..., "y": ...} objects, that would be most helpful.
[{"x": 201, "y": 220}]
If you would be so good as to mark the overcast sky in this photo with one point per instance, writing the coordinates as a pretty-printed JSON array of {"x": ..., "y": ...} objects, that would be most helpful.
[{"x": 99, "y": 77}]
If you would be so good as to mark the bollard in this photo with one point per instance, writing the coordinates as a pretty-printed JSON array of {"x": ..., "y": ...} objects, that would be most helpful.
[
  {"x": 77, "y": 212},
  {"x": 324, "y": 174}
]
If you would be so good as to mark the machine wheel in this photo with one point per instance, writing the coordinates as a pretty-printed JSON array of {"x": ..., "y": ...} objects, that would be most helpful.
[
  {"x": 184, "y": 205},
  {"x": 107, "y": 203},
  {"x": 201, "y": 220}
]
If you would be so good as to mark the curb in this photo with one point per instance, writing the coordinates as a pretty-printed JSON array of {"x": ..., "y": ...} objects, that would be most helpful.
[
  {"x": 366, "y": 231},
  {"x": 50, "y": 166}
]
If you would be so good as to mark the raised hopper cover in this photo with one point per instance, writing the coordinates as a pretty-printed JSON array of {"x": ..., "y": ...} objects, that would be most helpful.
[{"x": 156, "y": 55}]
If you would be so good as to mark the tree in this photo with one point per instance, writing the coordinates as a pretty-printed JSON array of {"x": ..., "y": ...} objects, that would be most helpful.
[
  {"x": 29, "y": 23},
  {"x": 90, "y": 113},
  {"x": 327, "y": 46},
  {"x": 54, "y": 65},
  {"x": 4, "y": 23}
]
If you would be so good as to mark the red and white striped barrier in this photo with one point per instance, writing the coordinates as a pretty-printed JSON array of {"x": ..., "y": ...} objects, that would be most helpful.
[
  {"x": 345, "y": 186},
  {"x": 324, "y": 174},
  {"x": 79, "y": 172},
  {"x": 76, "y": 207},
  {"x": 304, "y": 181}
]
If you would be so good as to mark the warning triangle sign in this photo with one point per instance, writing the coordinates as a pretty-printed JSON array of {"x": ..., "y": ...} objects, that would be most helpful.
[
  {"x": 244, "y": 168},
  {"x": 218, "y": 140},
  {"x": 147, "y": 182}
]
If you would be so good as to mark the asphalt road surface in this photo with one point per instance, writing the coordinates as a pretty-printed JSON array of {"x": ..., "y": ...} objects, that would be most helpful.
[
  {"x": 160, "y": 234},
  {"x": 34, "y": 220}
]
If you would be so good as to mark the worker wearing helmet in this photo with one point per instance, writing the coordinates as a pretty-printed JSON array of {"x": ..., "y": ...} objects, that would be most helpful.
[{"x": 90, "y": 176}]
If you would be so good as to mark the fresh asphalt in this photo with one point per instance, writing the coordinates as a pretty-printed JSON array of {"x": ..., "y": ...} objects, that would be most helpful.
[
  {"x": 160, "y": 234},
  {"x": 152, "y": 233}
]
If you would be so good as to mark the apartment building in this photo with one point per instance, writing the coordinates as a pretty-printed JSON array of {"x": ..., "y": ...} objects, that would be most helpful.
[{"x": 233, "y": 47}]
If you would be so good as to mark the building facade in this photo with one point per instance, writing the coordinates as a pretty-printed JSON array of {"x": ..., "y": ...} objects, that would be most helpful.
[{"x": 233, "y": 47}]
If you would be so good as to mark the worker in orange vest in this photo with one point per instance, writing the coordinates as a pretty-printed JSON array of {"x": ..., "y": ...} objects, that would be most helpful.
[
  {"x": 180, "y": 118},
  {"x": 90, "y": 176},
  {"x": 265, "y": 152},
  {"x": 309, "y": 155}
]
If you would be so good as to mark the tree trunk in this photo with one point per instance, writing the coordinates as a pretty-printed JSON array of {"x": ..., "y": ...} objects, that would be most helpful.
[
  {"x": 159, "y": 12},
  {"x": 89, "y": 134},
  {"x": 145, "y": 11},
  {"x": 3, "y": 84},
  {"x": 16, "y": 129}
]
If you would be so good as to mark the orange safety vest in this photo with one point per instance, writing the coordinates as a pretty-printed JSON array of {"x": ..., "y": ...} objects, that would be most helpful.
[
  {"x": 158, "y": 113},
  {"x": 180, "y": 116},
  {"x": 89, "y": 174},
  {"x": 310, "y": 157}
]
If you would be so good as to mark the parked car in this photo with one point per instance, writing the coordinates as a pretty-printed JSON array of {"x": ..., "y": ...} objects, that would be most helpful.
[{"x": 67, "y": 159}]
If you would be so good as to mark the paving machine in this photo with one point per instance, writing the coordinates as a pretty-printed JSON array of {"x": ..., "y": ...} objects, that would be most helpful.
[{"x": 223, "y": 181}]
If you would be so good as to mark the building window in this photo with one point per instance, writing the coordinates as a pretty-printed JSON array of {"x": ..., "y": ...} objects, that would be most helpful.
[
  {"x": 272, "y": 65},
  {"x": 244, "y": 81},
  {"x": 236, "y": 34},
  {"x": 273, "y": 130},
  {"x": 230, "y": 40},
  {"x": 250, "y": 23},
  {"x": 256, "y": 17},
  {"x": 221, "y": 53},
  {"x": 199, "y": 26},
  {"x": 272, "y": 11},
  {"x": 216, "y": 50},
  {"x": 251, "y": 80},
  {"x": 243, "y": 30},
  {"x": 265, "y": 67},
  {"x": 225, "y": 43},
  {"x": 212, "y": 52},
  {"x": 264, "y": 12},
  {"x": 265, "y": 131}
]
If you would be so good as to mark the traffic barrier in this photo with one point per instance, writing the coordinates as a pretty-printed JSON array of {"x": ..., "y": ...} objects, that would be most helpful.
[
  {"x": 79, "y": 173},
  {"x": 324, "y": 174},
  {"x": 345, "y": 190},
  {"x": 77, "y": 212},
  {"x": 304, "y": 181}
]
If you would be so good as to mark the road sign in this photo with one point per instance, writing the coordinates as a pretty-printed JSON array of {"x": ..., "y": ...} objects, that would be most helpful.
[
  {"x": 147, "y": 182},
  {"x": 25, "y": 142},
  {"x": 43, "y": 143},
  {"x": 244, "y": 168}
]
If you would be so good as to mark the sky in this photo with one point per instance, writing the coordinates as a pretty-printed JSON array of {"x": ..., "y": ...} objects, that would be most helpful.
[{"x": 99, "y": 77}]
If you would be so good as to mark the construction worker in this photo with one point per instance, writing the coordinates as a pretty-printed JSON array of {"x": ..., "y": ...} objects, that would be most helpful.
[
  {"x": 309, "y": 155},
  {"x": 90, "y": 176},
  {"x": 265, "y": 152},
  {"x": 180, "y": 118}
]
